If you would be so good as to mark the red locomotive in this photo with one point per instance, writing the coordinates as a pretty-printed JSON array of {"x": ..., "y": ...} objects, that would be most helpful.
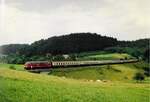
[{"x": 38, "y": 65}]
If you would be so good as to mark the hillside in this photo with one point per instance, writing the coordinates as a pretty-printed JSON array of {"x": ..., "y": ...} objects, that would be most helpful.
[
  {"x": 103, "y": 56},
  {"x": 117, "y": 72},
  {"x": 72, "y": 43},
  {"x": 107, "y": 83},
  {"x": 124, "y": 73},
  {"x": 77, "y": 42},
  {"x": 20, "y": 86}
]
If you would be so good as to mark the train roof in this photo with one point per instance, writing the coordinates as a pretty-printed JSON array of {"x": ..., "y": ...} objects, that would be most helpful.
[{"x": 37, "y": 62}]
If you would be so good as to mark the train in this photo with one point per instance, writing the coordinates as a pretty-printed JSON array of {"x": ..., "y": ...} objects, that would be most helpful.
[{"x": 39, "y": 66}]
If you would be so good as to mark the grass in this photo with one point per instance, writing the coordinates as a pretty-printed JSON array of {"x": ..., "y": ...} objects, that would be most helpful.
[
  {"x": 118, "y": 72},
  {"x": 105, "y": 56},
  {"x": 20, "y": 86},
  {"x": 82, "y": 54},
  {"x": 12, "y": 66}
]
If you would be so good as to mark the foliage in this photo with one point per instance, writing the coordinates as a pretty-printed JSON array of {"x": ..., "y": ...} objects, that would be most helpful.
[
  {"x": 15, "y": 49},
  {"x": 73, "y": 57},
  {"x": 58, "y": 58},
  {"x": 139, "y": 76},
  {"x": 76, "y": 45},
  {"x": 136, "y": 52},
  {"x": 147, "y": 54},
  {"x": 141, "y": 43},
  {"x": 21, "y": 59},
  {"x": 135, "y": 48},
  {"x": 12, "y": 67},
  {"x": 147, "y": 71},
  {"x": 73, "y": 43}
]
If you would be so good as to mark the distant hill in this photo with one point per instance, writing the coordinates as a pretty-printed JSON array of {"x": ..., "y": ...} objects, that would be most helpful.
[
  {"x": 72, "y": 43},
  {"x": 77, "y": 42},
  {"x": 141, "y": 43}
]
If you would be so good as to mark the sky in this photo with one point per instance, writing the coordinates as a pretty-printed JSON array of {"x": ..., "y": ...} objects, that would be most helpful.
[{"x": 26, "y": 21}]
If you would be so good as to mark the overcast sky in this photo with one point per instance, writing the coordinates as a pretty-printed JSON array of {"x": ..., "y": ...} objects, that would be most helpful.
[{"x": 25, "y": 21}]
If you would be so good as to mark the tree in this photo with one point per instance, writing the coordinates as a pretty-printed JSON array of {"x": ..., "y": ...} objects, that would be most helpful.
[
  {"x": 147, "y": 54},
  {"x": 58, "y": 58},
  {"x": 73, "y": 57}
]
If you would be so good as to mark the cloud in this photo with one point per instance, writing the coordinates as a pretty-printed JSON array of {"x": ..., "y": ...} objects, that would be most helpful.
[
  {"x": 29, "y": 20},
  {"x": 50, "y": 5}
]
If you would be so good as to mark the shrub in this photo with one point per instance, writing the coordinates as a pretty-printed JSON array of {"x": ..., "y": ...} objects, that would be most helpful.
[
  {"x": 147, "y": 71},
  {"x": 58, "y": 58},
  {"x": 12, "y": 67},
  {"x": 139, "y": 76}
]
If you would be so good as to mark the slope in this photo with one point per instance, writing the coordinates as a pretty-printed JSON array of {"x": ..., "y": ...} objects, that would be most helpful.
[{"x": 20, "y": 86}]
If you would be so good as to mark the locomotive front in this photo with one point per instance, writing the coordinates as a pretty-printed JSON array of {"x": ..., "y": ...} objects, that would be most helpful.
[{"x": 38, "y": 66}]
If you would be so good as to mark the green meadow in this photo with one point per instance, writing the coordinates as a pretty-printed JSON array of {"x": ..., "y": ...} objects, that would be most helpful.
[
  {"x": 103, "y": 56},
  {"x": 17, "y": 85}
]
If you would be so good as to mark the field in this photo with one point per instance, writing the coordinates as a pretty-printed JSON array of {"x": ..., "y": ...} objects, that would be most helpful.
[
  {"x": 116, "y": 72},
  {"x": 17, "y": 85},
  {"x": 103, "y": 56},
  {"x": 106, "y": 72}
]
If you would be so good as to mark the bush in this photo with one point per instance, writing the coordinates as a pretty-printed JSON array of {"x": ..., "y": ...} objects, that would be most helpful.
[
  {"x": 147, "y": 71},
  {"x": 12, "y": 67},
  {"x": 58, "y": 58},
  {"x": 139, "y": 76},
  {"x": 147, "y": 55},
  {"x": 136, "y": 52},
  {"x": 73, "y": 57}
]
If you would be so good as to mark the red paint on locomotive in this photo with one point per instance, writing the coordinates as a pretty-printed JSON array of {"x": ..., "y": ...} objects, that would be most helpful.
[{"x": 32, "y": 65}]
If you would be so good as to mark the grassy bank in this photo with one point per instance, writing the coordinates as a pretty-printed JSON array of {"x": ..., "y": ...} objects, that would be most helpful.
[
  {"x": 105, "y": 72},
  {"x": 103, "y": 56},
  {"x": 20, "y": 86}
]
